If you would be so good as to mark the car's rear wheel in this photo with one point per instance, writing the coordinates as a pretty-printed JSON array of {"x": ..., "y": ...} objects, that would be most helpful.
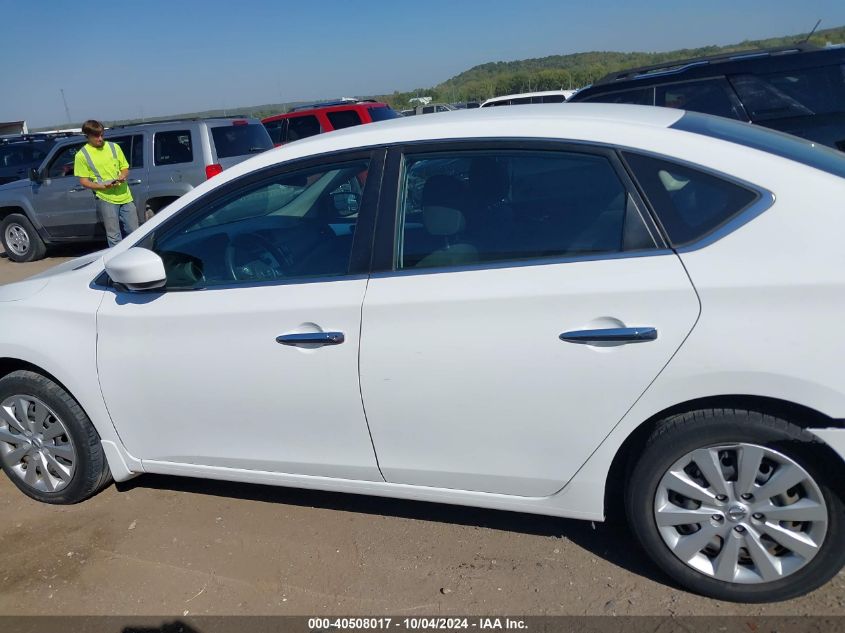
[
  {"x": 738, "y": 506},
  {"x": 20, "y": 239},
  {"x": 48, "y": 446}
]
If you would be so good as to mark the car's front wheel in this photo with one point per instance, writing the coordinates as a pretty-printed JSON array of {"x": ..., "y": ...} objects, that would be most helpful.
[
  {"x": 48, "y": 446},
  {"x": 738, "y": 506},
  {"x": 20, "y": 239}
]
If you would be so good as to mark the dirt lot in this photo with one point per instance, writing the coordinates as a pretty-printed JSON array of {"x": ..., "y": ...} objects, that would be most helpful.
[{"x": 173, "y": 547}]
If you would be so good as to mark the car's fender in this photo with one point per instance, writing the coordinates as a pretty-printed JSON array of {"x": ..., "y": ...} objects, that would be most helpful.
[
  {"x": 62, "y": 323},
  {"x": 14, "y": 197}
]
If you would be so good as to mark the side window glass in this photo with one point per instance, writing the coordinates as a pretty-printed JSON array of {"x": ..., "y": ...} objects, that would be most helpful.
[
  {"x": 276, "y": 130},
  {"x": 302, "y": 127},
  {"x": 344, "y": 118},
  {"x": 800, "y": 92},
  {"x": 62, "y": 164},
  {"x": 710, "y": 97},
  {"x": 137, "y": 159},
  {"x": 171, "y": 148},
  {"x": 125, "y": 144},
  {"x": 689, "y": 202},
  {"x": 294, "y": 225},
  {"x": 474, "y": 207},
  {"x": 640, "y": 96}
]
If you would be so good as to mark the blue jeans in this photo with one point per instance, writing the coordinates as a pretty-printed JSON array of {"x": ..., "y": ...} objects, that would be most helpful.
[{"x": 116, "y": 217}]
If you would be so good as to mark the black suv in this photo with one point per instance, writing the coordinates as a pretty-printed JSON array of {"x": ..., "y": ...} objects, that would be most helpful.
[
  {"x": 798, "y": 89},
  {"x": 19, "y": 153}
]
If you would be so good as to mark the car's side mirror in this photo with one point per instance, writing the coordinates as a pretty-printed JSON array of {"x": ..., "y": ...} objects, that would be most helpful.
[
  {"x": 346, "y": 202},
  {"x": 137, "y": 269},
  {"x": 34, "y": 176}
]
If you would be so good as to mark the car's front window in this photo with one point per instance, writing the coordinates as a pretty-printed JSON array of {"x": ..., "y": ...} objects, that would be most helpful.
[
  {"x": 62, "y": 164},
  {"x": 295, "y": 225}
]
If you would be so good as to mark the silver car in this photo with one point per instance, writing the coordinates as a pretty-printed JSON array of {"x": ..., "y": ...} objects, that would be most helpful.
[{"x": 166, "y": 158}]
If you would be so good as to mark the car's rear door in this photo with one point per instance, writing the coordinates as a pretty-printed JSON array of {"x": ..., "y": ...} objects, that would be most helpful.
[{"x": 525, "y": 302}]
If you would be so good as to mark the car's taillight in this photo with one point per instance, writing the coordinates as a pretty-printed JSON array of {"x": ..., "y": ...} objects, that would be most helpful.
[
  {"x": 212, "y": 170},
  {"x": 240, "y": 122}
]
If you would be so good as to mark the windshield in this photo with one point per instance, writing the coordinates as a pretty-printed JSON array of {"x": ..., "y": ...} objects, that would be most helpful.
[
  {"x": 784, "y": 145},
  {"x": 240, "y": 140}
]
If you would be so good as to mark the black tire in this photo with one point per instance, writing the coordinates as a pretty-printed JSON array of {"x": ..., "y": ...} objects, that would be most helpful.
[
  {"x": 91, "y": 471},
  {"x": 677, "y": 436},
  {"x": 36, "y": 248}
]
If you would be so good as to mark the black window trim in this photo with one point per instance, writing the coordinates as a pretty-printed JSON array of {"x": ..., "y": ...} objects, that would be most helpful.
[
  {"x": 362, "y": 242},
  {"x": 762, "y": 201},
  {"x": 386, "y": 242}
]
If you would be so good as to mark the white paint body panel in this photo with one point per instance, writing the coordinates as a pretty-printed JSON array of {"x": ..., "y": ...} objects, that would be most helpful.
[
  {"x": 467, "y": 384},
  {"x": 197, "y": 388},
  {"x": 198, "y": 377}
]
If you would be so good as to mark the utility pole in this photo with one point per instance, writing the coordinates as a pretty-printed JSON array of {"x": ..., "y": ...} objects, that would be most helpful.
[{"x": 67, "y": 111}]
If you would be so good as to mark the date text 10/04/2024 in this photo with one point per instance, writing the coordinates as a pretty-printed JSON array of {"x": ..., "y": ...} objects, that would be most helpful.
[{"x": 415, "y": 624}]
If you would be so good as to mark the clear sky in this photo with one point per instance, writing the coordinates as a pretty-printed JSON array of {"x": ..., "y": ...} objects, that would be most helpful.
[{"x": 157, "y": 57}]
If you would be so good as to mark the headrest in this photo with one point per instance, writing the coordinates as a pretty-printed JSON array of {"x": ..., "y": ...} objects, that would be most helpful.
[
  {"x": 443, "y": 220},
  {"x": 442, "y": 190}
]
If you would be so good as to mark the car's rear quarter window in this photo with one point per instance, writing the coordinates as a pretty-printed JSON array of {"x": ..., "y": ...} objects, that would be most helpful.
[
  {"x": 343, "y": 118},
  {"x": 689, "y": 203},
  {"x": 240, "y": 140}
]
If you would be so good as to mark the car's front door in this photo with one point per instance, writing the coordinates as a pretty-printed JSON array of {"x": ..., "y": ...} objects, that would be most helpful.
[
  {"x": 528, "y": 304},
  {"x": 64, "y": 207},
  {"x": 249, "y": 358}
]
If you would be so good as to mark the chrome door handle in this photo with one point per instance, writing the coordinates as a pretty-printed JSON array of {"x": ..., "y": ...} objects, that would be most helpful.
[
  {"x": 611, "y": 335},
  {"x": 137, "y": 181},
  {"x": 75, "y": 189},
  {"x": 320, "y": 338}
]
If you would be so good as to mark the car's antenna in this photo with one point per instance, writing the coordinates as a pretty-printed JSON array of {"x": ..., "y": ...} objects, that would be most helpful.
[{"x": 807, "y": 39}]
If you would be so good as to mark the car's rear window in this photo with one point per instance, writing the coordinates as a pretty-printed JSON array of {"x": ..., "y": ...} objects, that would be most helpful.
[
  {"x": 239, "y": 140},
  {"x": 784, "y": 145},
  {"x": 383, "y": 113},
  {"x": 789, "y": 93}
]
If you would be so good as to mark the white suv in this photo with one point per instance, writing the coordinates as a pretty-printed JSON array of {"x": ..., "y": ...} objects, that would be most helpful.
[{"x": 556, "y": 310}]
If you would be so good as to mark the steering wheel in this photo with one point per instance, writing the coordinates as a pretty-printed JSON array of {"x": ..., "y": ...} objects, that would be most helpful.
[{"x": 252, "y": 257}]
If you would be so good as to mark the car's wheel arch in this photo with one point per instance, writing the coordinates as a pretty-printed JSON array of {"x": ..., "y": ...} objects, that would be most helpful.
[
  {"x": 122, "y": 465},
  {"x": 626, "y": 454}
]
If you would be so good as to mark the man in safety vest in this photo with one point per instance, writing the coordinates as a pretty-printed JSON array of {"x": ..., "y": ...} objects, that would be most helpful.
[{"x": 102, "y": 167}]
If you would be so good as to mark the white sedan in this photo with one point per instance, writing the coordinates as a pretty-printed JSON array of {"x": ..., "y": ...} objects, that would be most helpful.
[{"x": 562, "y": 310}]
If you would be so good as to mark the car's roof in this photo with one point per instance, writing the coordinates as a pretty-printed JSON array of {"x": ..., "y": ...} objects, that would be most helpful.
[
  {"x": 759, "y": 61},
  {"x": 549, "y": 120}
]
